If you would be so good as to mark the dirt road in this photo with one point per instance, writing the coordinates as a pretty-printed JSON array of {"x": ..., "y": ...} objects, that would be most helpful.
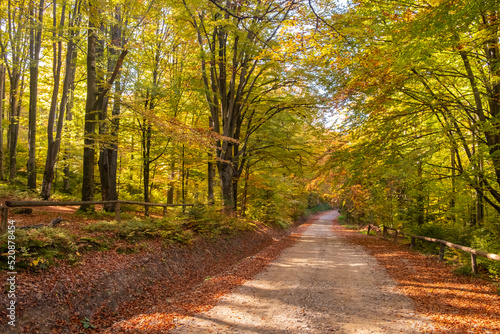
[{"x": 322, "y": 284}]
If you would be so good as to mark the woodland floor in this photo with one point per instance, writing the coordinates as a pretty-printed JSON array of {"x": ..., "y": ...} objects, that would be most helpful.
[{"x": 150, "y": 291}]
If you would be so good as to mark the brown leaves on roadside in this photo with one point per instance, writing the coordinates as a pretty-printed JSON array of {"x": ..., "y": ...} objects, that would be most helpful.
[{"x": 456, "y": 304}]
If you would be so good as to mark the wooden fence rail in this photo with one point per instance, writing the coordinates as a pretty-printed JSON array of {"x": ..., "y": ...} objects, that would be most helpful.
[
  {"x": 17, "y": 204},
  {"x": 442, "y": 245}
]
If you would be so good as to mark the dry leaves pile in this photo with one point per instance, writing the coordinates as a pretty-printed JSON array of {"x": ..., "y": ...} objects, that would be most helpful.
[{"x": 456, "y": 304}]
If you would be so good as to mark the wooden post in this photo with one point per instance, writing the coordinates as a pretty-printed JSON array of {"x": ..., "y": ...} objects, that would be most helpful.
[
  {"x": 473, "y": 261},
  {"x": 413, "y": 243},
  {"x": 395, "y": 236},
  {"x": 441, "y": 252},
  {"x": 5, "y": 218},
  {"x": 385, "y": 232},
  {"x": 369, "y": 228},
  {"x": 164, "y": 211},
  {"x": 118, "y": 214}
]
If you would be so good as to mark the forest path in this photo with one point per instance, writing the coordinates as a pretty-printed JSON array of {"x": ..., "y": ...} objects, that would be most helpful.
[{"x": 321, "y": 284}]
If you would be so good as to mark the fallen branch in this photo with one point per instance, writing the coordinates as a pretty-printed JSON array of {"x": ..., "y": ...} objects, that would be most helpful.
[{"x": 53, "y": 223}]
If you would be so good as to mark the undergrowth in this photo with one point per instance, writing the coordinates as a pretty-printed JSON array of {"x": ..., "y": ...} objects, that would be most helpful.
[
  {"x": 37, "y": 249},
  {"x": 484, "y": 239}
]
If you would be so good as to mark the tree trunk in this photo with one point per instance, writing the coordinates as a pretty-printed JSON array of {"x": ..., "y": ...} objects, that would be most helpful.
[
  {"x": 453, "y": 185},
  {"x": 34, "y": 52},
  {"x": 90, "y": 119},
  {"x": 108, "y": 155},
  {"x": 479, "y": 197},
  {"x": 2, "y": 97},
  {"x": 211, "y": 171},
  {"x": 15, "y": 22},
  {"x": 146, "y": 150},
  {"x": 103, "y": 162},
  {"x": 171, "y": 185},
  {"x": 54, "y": 143},
  {"x": 113, "y": 149},
  {"x": 69, "y": 117},
  {"x": 226, "y": 183},
  {"x": 183, "y": 186},
  {"x": 245, "y": 190},
  {"x": 65, "y": 105},
  {"x": 14, "y": 122},
  {"x": 210, "y": 181}
]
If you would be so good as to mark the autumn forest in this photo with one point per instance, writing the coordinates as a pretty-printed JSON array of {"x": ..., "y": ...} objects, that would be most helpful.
[{"x": 387, "y": 110}]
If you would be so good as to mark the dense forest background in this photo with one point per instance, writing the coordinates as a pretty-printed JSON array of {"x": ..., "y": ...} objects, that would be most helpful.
[
  {"x": 389, "y": 110},
  {"x": 164, "y": 101}
]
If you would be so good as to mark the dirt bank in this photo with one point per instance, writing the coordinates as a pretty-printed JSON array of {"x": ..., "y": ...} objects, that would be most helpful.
[{"x": 107, "y": 287}]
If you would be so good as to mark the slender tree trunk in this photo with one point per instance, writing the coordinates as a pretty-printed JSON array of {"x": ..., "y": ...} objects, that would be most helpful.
[
  {"x": 69, "y": 118},
  {"x": 113, "y": 147},
  {"x": 210, "y": 181},
  {"x": 183, "y": 190},
  {"x": 103, "y": 162},
  {"x": 479, "y": 197},
  {"x": 146, "y": 150},
  {"x": 15, "y": 23},
  {"x": 2, "y": 98},
  {"x": 171, "y": 184},
  {"x": 54, "y": 143},
  {"x": 245, "y": 189},
  {"x": 211, "y": 171},
  {"x": 35, "y": 45},
  {"x": 453, "y": 185},
  {"x": 14, "y": 122}
]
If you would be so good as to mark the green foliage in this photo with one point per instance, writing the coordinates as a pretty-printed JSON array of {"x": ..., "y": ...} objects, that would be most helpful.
[
  {"x": 15, "y": 190},
  {"x": 319, "y": 208},
  {"x": 36, "y": 248},
  {"x": 211, "y": 221},
  {"x": 86, "y": 324},
  {"x": 137, "y": 229},
  {"x": 465, "y": 270},
  {"x": 456, "y": 234},
  {"x": 488, "y": 241}
]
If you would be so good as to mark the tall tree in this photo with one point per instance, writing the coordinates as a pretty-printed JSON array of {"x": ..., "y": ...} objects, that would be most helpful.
[
  {"x": 232, "y": 36},
  {"x": 34, "y": 55},
  {"x": 14, "y": 50},
  {"x": 109, "y": 126},
  {"x": 2, "y": 98},
  {"x": 69, "y": 77}
]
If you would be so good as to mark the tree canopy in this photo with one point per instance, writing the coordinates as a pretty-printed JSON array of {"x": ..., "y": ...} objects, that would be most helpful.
[{"x": 388, "y": 109}]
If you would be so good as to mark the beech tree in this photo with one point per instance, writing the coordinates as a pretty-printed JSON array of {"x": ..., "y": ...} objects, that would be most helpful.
[
  {"x": 34, "y": 55},
  {"x": 55, "y": 122},
  {"x": 14, "y": 46},
  {"x": 232, "y": 39},
  {"x": 96, "y": 104}
]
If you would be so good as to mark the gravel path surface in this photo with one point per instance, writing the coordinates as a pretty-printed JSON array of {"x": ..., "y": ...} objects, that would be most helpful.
[{"x": 320, "y": 285}]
